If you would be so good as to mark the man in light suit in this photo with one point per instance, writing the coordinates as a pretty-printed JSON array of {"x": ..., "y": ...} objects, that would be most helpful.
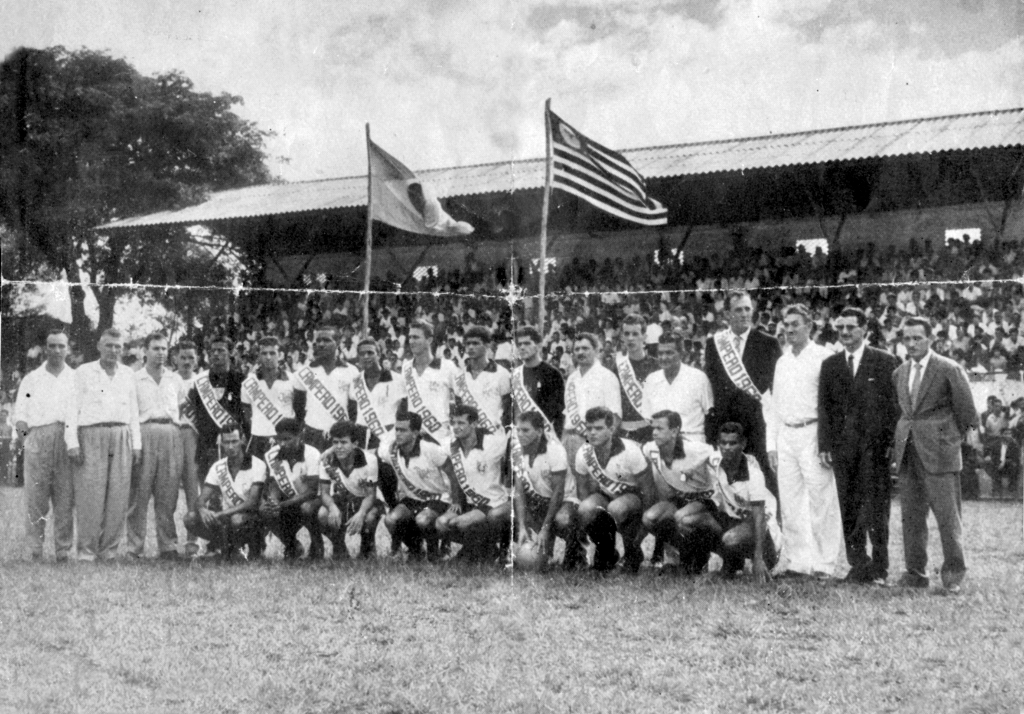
[
  {"x": 937, "y": 414},
  {"x": 858, "y": 411}
]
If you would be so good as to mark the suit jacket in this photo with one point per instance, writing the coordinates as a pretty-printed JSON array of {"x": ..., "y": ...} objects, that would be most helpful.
[
  {"x": 856, "y": 413},
  {"x": 942, "y": 416},
  {"x": 759, "y": 357}
]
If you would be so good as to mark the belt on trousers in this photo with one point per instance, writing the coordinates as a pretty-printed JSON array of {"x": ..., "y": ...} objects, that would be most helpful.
[
  {"x": 43, "y": 426},
  {"x": 166, "y": 420},
  {"x": 104, "y": 423},
  {"x": 800, "y": 424}
]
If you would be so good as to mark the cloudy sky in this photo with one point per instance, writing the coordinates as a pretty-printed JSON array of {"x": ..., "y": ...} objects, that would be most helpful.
[{"x": 448, "y": 82}]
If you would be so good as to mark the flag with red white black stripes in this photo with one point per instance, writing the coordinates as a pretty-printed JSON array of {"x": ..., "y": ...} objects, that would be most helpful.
[{"x": 601, "y": 176}]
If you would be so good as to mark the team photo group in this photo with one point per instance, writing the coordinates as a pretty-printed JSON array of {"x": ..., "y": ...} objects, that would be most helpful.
[{"x": 780, "y": 460}]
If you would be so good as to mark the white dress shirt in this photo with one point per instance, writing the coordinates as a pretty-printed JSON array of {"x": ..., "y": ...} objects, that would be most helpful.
[
  {"x": 599, "y": 387},
  {"x": 794, "y": 395},
  {"x": 45, "y": 398},
  {"x": 688, "y": 395},
  {"x": 158, "y": 401},
  {"x": 101, "y": 398}
]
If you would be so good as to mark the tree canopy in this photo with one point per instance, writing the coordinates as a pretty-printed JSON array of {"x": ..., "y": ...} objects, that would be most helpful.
[{"x": 84, "y": 139}]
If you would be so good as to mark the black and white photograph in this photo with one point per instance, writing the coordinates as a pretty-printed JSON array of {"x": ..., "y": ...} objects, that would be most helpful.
[{"x": 545, "y": 356}]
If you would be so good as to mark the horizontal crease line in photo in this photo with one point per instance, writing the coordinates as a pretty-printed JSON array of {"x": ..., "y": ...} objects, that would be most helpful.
[{"x": 519, "y": 292}]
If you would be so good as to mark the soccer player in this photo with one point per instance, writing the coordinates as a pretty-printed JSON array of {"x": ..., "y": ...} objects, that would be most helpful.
[
  {"x": 45, "y": 396},
  {"x": 685, "y": 512},
  {"x": 536, "y": 385},
  {"x": 426, "y": 486},
  {"x": 545, "y": 497},
  {"x": 377, "y": 393},
  {"x": 476, "y": 461},
  {"x": 323, "y": 389},
  {"x": 216, "y": 401},
  {"x": 226, "y": 511},
  {"x": 159, "y": 474},
  {"x": 349, "y": 477},
  {"x": 430, "y": 383},
  {"x": 746, "y": 508},
  {"x": 485, "y": 384},
  {"x": 632, "y": 369},
  {"x": 679, "y": 388},
  {"x": 291, "y": 500},
  {"x": 268, "y": 396},
  {"x": 615, "y": 486}
]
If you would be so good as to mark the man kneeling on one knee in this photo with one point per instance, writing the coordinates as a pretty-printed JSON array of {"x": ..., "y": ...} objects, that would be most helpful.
[
  {"x": 747, "y": 525},
  {"x": 291, "y": 500},
  {"x": 349, "y": 478},
  {"x": 226, "y": 512},
  {"x": 615, "y": 487}
]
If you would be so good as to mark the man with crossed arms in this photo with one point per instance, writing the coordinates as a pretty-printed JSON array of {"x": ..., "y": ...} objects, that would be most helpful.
[
  {"x": 476, "y": 459},
  {"x": 430, "y": 383},
  {"x": 685, "y": 512},
  {"x": 323, "y": 389},
  {"x": 268, "y": 396},
  {"x": 215, "y": 401},
  {"x": 545, "y": 497},
  {"x": 615, "y": 487},
  {"x": 426, "y": 486}
]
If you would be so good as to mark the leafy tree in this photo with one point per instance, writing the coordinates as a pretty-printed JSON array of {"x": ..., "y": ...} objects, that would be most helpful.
[{"x": 84, "y": 139}]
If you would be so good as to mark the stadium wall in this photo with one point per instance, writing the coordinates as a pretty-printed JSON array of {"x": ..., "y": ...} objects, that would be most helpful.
[{"x": 881, "y": 228}]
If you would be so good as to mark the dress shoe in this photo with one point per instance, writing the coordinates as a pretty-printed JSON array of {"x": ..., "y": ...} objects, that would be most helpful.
[{"x": 912, "y": 580}]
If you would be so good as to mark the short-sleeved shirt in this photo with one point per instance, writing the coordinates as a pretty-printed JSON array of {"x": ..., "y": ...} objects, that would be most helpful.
[
  {"x": 384, "y": 399},
  {"x": 684, "y": 472},
  {"x": 489, "y": 388},
  {"x": 551, "y": 457},
  {"x": 641, "y": 369},
  {"x": 282, "y": 470},
  {"x": 437, "y": 389},
  {"x": 337, "y": 386},
  {"x": 360, "y": 482},
  {"x": 688, "y": 395},
  {"x": 599, "y": 387},
  {"x": 626, "y": 463},
  {"x": 420, "y": 470},
  {"x": 736, "y": 497},
  {"x": 281, "y": 394},
  {"x": 483, "y": 467},
  {"x": 253, "y": 472},
  {"x": 158, "y": 400}
]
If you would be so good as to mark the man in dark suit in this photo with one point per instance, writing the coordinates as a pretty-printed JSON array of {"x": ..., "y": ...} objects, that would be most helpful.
[
  {"x": 740, "y": 363},
  {"x": 857, "y": 412},
  {"x": 937, "y": 414}
]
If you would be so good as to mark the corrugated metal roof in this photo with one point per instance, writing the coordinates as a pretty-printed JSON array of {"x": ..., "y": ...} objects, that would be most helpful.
[{"x": 961, "y": 132}]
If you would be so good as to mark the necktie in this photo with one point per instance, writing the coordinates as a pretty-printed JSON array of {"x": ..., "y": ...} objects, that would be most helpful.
[
  {"x": 849, "y": 361},
  {"x": 915, "y": 384}
]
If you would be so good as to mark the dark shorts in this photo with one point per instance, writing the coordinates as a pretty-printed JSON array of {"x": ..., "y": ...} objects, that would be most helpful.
[
  {"x": 771, "y": 556},
  {"x": 631, "y": 491},
  {"x": 349, "y": 505},
  {"x": 681, "y": 500},
  {"x": 536, "y": 506},
  {"x": 415, "y": 505}
]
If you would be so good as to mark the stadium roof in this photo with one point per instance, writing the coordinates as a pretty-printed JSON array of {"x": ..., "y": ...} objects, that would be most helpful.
[{"x": 958, "y": 132}]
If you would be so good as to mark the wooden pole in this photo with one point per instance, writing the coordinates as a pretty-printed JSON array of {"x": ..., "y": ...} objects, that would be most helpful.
[
  {"x": 542, "y": 285},
  {"x": 367, "y": 262}
]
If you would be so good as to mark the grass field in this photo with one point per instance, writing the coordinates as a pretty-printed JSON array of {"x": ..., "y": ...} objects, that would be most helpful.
[{"x": 387, "y": 637}]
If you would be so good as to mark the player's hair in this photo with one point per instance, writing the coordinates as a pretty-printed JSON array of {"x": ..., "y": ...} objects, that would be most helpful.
[
  {"x": 599, "y": 414},
  {"x": 635, "y": 319},
  {"x": 862, "y": 317},
  {"x": 288, "y": 426},
  {"x": 55, "y": 331},
  {"x": 111, "y": 332},
  {"x": 423, "y": 326},
  {"x": 531, "y": 332},
  {"x": 590, "y": 337},
  {"x": 368, "y": 341},
  {"x": 670, "y": 338},
  {"x": 467, "y": 411},
  {"x": 154, "y": 337},
  {"x": 184, "y": 344},
  {"x": 736, "y": 295},
  {"x": 269, "y": 341},
  {"x": 673, "y": 418},
  {"x": 414, "y": 419},
  {"x": 918, "y": 322},
  {"x": 800, "y": 309},
  {"x": 230, "y": 427},
  {"x": 328, "y": 327},
  {"x": 732, "y": 427},
  {"x": 346, "y": 430},
  {"x": 478, "y": 332},
  {"x": 534, "y": 419},
  {"x": 219, "y": 339}
]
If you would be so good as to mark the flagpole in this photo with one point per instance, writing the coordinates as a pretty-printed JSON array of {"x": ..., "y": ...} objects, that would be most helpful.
[
  {"x": 542, "y": 286},
  {"x": 369, "y": 236}
]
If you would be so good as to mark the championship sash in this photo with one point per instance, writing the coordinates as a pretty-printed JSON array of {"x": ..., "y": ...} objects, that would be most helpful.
[
  {"x": 187, "y": 413},
  {"x": 416, "y": 402},
  {"x": 572, "y": 408},
  {"x": 322, "y": 394},
  {"x": 208, "y": 397},
  {"x": 525, "y": 403},
  {"x": 261, "y": 400},
  {"x": 459, "y": 467},
  {"x": 227, "y": 486},
  {"x": 462, "y": 388},
  {"x": 340, "y": 482},
  {"x": 732, "y": 361},
  {"x": 416, "y": 491},
  {"x": 520, "y": 468},
  {"x": 606, "y": 482},
  {"x": 630, "y": 384},
  {"x": 279, "y": 473},
  {"x": 365, "y": 406}
]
